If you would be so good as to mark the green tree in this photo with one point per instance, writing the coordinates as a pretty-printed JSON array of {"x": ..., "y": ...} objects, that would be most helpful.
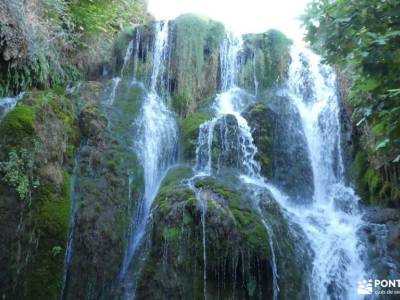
[{"x": 363, "y": 38}]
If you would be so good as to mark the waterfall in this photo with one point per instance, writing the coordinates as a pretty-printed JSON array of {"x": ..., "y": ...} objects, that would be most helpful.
[
  {"x": 71, "y": 233},
  {"x": 331, "y": 220},
  {"x": 7, "y": 104},
  {"x": 156, "y": 146},
  {"x": 230, "y": 102},
  {"x": 117, "y": 80},
  {"x": 255, "y": 75}
]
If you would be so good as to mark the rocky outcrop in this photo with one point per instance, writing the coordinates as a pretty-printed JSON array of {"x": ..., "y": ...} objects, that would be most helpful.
[
  {"x": 35, "y": 199},
  {"x": 381, "y": 232},
  {"x": 265, "y": 60},
  {"x": 238, "y": 258},
  {"x": 13, "y": 46},
  {"x": 281, "y": 144},
  {"x": 108, "y": 184}
]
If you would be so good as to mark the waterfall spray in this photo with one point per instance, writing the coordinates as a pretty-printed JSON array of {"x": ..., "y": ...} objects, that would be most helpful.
[{"x": 156, "y": 147}]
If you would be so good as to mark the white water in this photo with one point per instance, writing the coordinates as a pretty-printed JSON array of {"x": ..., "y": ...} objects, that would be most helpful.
[
  {"x": 117, "y": 80},
  {"x": 156, "y": 145},
  {"x": 230, "y": 102},
  {"x": 71, "y": 232},
  {"x": 7, "y": 104},
  {"x": 331, "y": 221},
  {"x": 255, "y": 75}
]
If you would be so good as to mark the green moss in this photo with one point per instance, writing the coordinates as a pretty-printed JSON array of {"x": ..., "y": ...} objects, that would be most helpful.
[
  {"x": 370, "y": 183},
  {"x": 171, "y": 234},
  {"x": 180, "y": 103},
  {"x": 195, "y": 55},
  {"x": 19, "y": 123},
  {"x": 359, "y": 168},
  {"x": 51, "y": 225},
  {"x": 190, "y": 132},
  {"x": 268, "y": 55},
  {"x": 176, "y": 175}
]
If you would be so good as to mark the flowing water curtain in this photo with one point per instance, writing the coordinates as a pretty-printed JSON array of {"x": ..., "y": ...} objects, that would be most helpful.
[{"x": 157, "y": 144}]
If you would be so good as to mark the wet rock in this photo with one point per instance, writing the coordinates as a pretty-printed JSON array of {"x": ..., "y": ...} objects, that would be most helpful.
[
  {"x": 13, "y": 46},
  {"x": 381, "y": 232},
  {"x": 282, "y": 146},
  {"x": 237, "y": 250}
]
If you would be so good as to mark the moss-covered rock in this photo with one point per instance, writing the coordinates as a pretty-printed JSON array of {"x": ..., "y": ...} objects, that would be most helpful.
[
  {"x": 283, "y": 151},
  {"x": 192, "y": 73},
  {"x": 190, "y": 132},
  {"x": 109, "y": 182},
  {"x": 236, "y": 244},
  {"x": 44, "y": 123},
  {"x": 265, "y": 60},
  {"x": 375, "y": 186},
  {"x": 194, "y": 61},
  {"x": 263, "y": 132}
]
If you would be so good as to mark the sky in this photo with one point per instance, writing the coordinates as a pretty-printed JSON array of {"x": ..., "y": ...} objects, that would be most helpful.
[{"x": 241, "y": 16}]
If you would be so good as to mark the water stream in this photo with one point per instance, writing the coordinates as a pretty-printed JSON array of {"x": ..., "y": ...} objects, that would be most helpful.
[
  {"x": 230, "y": 102},
  {"x": 331, "y": 219},
  {"x": 8, "y": 103},
  {"x": 156, "y": 146}
]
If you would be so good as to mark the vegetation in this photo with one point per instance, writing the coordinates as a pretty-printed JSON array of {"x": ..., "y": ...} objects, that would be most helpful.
[
  {"x": 362, "y": 39},
  {"x": 266, "y": 55},
  {"x": 19, "y": 172},
  {"x": 195, "y": 60},
  {"x": 54, "y": 42}
]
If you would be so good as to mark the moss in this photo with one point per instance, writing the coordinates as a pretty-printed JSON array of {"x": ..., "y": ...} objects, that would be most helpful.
[
  {"x": 190, "y": 132},
  {"x": 19, "y": 123},
  {"x": 180, "y": 103},
  {"x": 266, "y": 54},
  {"x": 171, "y": 234},
  {"x": 176, "y": 175},
  {"x": 195, "y": 52},
  {"x": 259, "y": 118},
  {"x": 236, "y": 243},
  {"x": 51, "y": 221},
  {"x": 247, "y": 220}
]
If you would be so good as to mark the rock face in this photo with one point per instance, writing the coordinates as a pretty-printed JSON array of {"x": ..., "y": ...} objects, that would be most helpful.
[
  {"x": 74, "y": 151},
  {"x": 237, "y": 253},
  {"x": 239, "y": 261},
  {"x": 265, "y": 60},
  {"x": 56, "y": 129},
  {"x": 108, "y": 170},
  {"x": 281, "y": 145},
  {"x": 382, "y": 234},
  {"x": 13, "y": 46},
  {"x": 35, "y": 222}
]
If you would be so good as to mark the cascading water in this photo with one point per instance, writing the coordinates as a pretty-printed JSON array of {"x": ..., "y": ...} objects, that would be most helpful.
[
  {"x": 230, "y": 102},
  {"x": 7, "y": 104},
  {"x": 331, "y": 220},
  {"x": 117, "y": 80},
  {"x": 71, "y": 233},
  {"x": 156, "y": 146}
]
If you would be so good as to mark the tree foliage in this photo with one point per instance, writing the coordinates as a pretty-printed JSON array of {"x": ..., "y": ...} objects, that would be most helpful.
[
  {"x": 59, "y": 40},
  {"x": 363, "y": 38}
]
